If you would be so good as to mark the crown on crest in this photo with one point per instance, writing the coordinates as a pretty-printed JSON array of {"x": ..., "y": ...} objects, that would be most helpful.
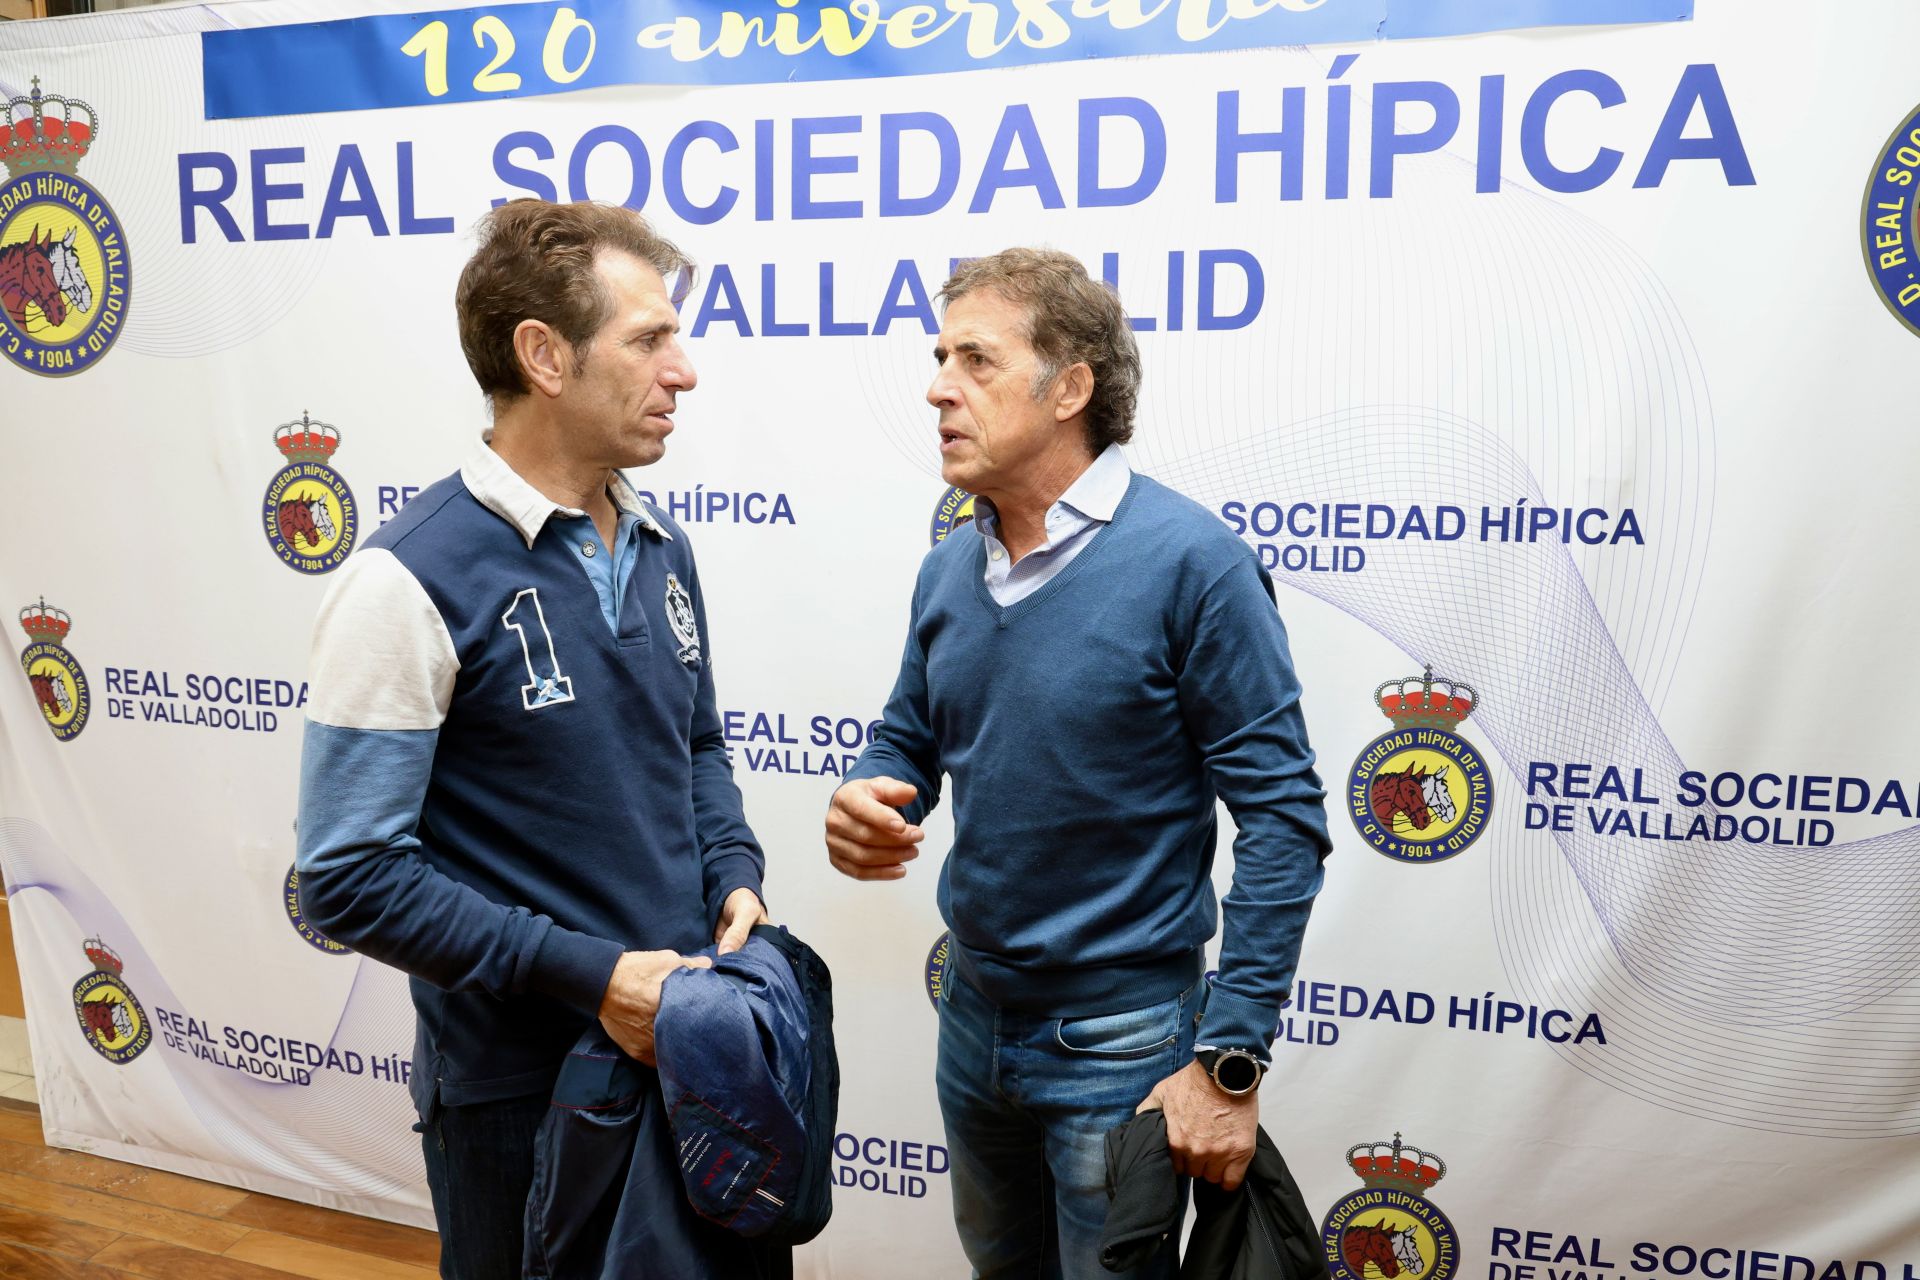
[
  {"x": 1396, "y": 1165},
  {"x": 103, "y": 956},
  {"x": 306, "y": 440},
  {"x": 34, "y": 142},
  {"x": 43, "y": 622},
  {"x": 1426, "y": 701}
]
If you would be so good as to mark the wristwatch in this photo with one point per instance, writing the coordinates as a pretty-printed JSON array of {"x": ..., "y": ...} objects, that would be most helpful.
[{"x": 1233, "y": 1071}]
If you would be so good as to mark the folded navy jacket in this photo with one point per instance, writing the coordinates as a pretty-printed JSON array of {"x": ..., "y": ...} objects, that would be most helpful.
[{"x": 714, "y": 1164}]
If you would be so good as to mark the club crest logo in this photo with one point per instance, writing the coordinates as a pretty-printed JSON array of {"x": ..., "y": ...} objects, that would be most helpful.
[
  {"x": 63, "y": 258},
  {"x": 954, "y": 509},
  {"x": 110, "y": 1016},
  {"x": 59, "y": 685},
  {"x": 310, "y": 516},
  {"x": 686, "y": 629},
  {"x": 1890, "y": 223},
  {"x": 1421, "y": 792},
  {"x": 1390, "y": 1229},
  {"x": 290, "y": 894},
  {"x": 939, "y": 967}
]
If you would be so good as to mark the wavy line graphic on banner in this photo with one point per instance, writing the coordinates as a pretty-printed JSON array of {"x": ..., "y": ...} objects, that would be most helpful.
[
  {"x": 283, "y": 1129},
  {"x": 1710, "y": 934},
  {"x": 1555, "y": 368}
]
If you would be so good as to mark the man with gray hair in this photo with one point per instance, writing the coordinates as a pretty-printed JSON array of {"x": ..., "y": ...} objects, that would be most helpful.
[{"x": 1093, "y": 670}]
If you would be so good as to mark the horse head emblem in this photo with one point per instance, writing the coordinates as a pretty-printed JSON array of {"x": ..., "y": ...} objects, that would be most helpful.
[
  {"x": 100, "y": 1018},
  {"x": 67, "y": 274},
  {"x": 1414, "y": 794},
  {"x": 27, "y": 278},
  {"x": 50, "y": 691},
  {"x": 1433, "y": 789},
  {"x": 305, "y": 521},
  {"x": 1406, "y": 1251},
  {"x": 322, "y": 518},
  {"x": 1390, "y": 1252}
]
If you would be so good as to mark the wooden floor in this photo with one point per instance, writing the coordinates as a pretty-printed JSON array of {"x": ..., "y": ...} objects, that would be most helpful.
[{"x": 63, "y": 1214}]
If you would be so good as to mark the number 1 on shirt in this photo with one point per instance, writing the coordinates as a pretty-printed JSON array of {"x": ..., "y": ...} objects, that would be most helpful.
[{"x": 543, "y": 689}]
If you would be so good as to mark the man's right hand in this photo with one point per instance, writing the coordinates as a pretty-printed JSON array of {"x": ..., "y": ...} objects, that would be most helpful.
[
  {"x": 633, "y": 997},
  {"x": 867, "y": 838}
]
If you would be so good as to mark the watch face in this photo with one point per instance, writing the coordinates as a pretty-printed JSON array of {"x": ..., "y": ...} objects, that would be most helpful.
[{"x": 1237, "y": 1074}]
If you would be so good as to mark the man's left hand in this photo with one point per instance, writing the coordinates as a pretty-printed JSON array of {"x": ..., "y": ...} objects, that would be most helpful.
[
  {"x": 1210, "y": 1133},
  {"x": 738, "y": 914}
]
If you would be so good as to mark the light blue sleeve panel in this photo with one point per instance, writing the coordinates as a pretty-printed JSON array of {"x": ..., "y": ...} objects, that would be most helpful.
[
  {"x": 382, "y": 673},
  {"x": 360, "y": 793},
  {"x": 365, "y": 884}
]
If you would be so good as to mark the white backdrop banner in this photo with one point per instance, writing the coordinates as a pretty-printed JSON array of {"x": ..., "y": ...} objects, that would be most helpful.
[{"x": 1563, "y": 377}]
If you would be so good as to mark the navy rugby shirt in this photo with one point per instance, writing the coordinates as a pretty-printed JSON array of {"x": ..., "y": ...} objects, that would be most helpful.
[{"x": 500, "y": 791}]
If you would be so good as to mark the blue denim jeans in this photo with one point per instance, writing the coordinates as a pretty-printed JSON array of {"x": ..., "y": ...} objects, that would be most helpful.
[
  {"x": 1027, "y": 1103},
  {"x": 479, "y": 1168}
]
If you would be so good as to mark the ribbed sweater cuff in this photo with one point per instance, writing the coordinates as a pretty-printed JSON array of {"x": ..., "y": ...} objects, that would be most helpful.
[
  {"x": 574, "y": 968},
  {"x": 1233, "y": 1022},
  {"x": 723, "y": 875}
]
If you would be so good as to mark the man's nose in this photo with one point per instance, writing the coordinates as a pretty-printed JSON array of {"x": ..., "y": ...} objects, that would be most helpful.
[
  {"x": 678, "y": 371},
  {"x": 941, "y": 392}
]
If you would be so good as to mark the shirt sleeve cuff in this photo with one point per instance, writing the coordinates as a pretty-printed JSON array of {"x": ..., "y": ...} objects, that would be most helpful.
[
  {"x": 728, "y": 872},
  {"x": 574, "y": 968},
  {"x": 1234, "y": 1022}
]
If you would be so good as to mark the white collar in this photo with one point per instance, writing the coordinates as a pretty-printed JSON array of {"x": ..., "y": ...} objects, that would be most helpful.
[
  {"x": 501, "y": 490},
  {"x": 1097, "y": 493}
]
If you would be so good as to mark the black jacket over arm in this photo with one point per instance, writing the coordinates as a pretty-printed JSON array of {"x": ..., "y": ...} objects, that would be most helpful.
[{"x": 1262, "y": 1231}]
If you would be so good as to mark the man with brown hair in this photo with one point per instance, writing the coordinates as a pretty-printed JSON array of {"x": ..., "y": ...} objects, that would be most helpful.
[
  {"x": 1093, "y": 670},
  {"x": 514, "y": 783}
]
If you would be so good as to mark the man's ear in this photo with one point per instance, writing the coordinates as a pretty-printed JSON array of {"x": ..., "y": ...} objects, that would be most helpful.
[
  {"x": 1072, "y": 390},
  {"x": 545, "y": 358}
]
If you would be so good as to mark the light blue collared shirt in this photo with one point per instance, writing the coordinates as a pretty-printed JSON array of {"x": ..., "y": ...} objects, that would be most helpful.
[
  {"x": 1082, "y": 511},
  {"x": 608, "y": 571}
]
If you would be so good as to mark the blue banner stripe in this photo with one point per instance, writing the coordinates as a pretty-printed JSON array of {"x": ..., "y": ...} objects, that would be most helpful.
[
  {"x": 516, "y": 50},
  {"x": 1418, "y": 19}
]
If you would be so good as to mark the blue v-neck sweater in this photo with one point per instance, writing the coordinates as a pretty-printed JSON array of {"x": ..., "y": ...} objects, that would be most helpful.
[{"x": 1088, "y": 731}]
